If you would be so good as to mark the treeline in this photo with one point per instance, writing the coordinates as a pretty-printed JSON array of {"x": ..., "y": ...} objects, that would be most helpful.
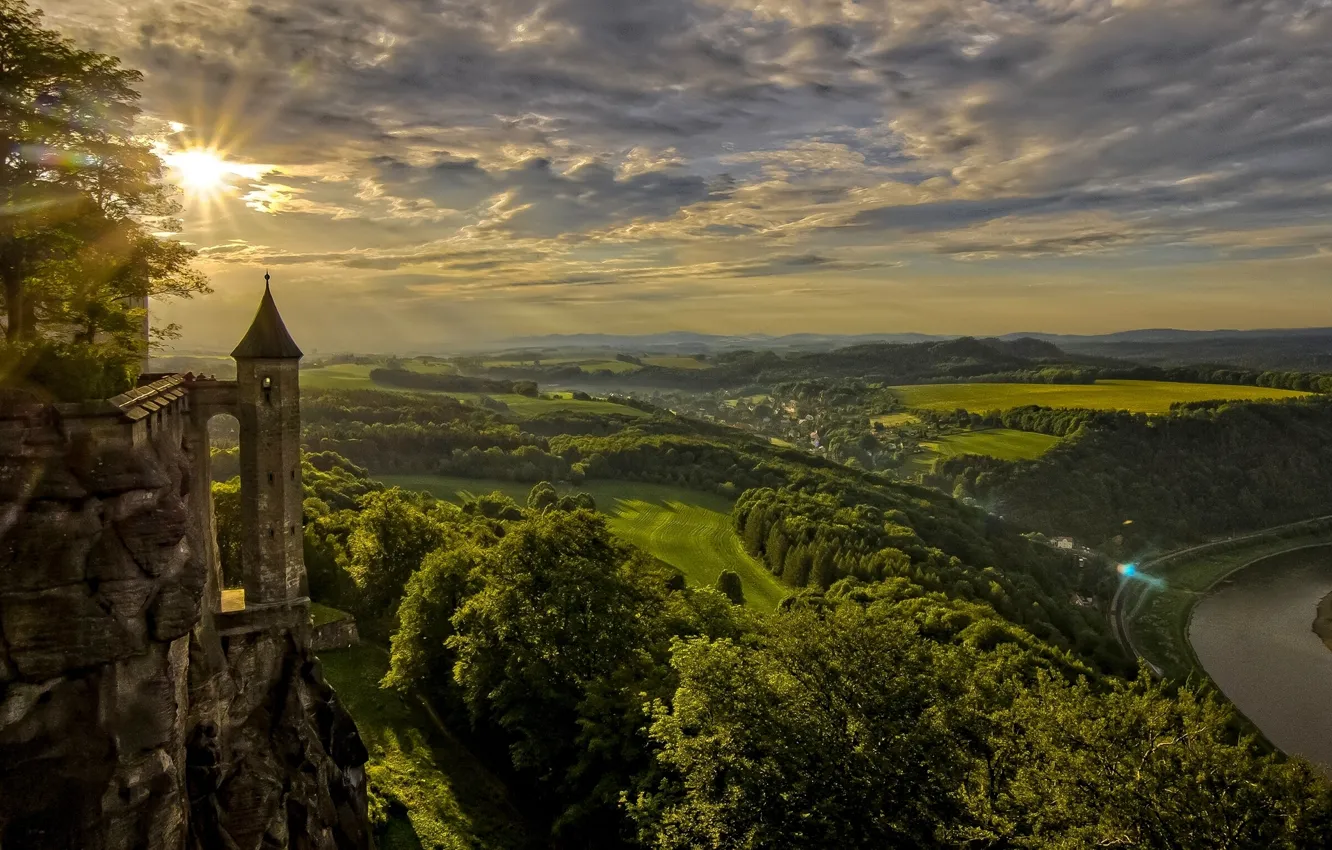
[
  {"x": 449, "y": 383},
  {"x": 1202, "y": 471},
  {"x": 1055, "y": 421},
  {"x": 628, "y": 710},
  {"x": 814, "y": 540}
]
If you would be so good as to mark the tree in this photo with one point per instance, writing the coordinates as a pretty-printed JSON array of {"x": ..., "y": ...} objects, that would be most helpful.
[
  {"x": 542, "y": 496},
  {"x": 554, "y": 649},
  {"x": 729, "y": 584},
  {"x": 833, "y": 734},
  {"x": 391, "y": 537},
  {"x": 83, "y": 193}
]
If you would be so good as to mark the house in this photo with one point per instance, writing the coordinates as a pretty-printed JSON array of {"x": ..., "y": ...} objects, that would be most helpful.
[{"x": 1065, "y": 543}]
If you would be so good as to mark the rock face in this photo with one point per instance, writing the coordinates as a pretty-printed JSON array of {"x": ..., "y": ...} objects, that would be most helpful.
[{"x": 131, "y": 716}]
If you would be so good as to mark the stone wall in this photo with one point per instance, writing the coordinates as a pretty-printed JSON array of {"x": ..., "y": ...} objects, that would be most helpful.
[
  {"x": 128, "y": 719},
  {"x": 339, "y": 634}
]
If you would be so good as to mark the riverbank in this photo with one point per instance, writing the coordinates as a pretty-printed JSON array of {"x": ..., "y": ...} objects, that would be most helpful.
[
  {"x": 1322, "y": 624},
  {"x": 1252, "y": 635},
  {"x": 1158, "y": 608}
]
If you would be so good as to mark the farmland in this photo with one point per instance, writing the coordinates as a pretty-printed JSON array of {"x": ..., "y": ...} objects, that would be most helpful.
[
  {"x": 1002, "y": 443},
  {"x": 1134, "y": 396},
  {"x": 689, "y": 530}
]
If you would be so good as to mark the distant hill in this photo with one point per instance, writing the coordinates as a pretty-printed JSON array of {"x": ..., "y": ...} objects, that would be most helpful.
[{"x": 1301, "y": 349}]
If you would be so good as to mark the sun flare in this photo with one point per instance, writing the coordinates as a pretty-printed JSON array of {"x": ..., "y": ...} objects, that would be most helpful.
[{"x": 207, "y": 171}]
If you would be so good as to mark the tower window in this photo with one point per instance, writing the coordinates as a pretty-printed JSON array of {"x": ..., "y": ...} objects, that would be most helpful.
[
  {"x": 270, "y": 478},
  {"x": 293, "y": 475},
  {"x": 268, "y": 383}
]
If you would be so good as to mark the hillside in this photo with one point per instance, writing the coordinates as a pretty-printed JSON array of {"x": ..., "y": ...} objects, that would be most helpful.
[{"x": 1132, "y": 482}]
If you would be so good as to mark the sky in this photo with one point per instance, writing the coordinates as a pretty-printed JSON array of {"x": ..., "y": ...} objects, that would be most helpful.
[{"x": 423, "y": 175}]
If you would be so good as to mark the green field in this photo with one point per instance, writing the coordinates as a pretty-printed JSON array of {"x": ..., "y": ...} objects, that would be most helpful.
[
  {"x": 689, "y": 530},
  {"x": 343, "y": 376},
  {"x": 1135, "y": 396},
  {"x": 895, "y": 420},
  {"x": 451, "y": 801},
  {"x": 1003, "y": 443}
]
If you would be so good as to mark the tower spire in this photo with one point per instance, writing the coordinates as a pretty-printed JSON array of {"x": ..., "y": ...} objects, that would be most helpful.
[{"x": 268, "y": 337}]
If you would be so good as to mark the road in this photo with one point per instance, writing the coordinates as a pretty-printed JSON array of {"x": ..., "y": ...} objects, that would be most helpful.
[{"x": 1117, "y": 623}]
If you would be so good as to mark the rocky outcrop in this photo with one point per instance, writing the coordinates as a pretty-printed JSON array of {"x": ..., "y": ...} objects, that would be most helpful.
[{"x": 129, "y": 717}]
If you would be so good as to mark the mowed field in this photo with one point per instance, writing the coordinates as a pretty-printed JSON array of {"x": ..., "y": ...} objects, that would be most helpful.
[
  {"x": 1002, "y": 443},
  {"x": 689, "y": 530},
  {"x": 1135, "y": 396}
]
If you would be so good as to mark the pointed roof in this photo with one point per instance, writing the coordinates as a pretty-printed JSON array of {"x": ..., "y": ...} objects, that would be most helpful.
[{"x": 267, "y": 337}]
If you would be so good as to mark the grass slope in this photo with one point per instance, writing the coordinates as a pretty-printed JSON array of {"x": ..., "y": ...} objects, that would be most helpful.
[
  {"x": 689, "y": 530},
  {"x": 451, "y": 801},
  {"x": 1135, "y": 396}
]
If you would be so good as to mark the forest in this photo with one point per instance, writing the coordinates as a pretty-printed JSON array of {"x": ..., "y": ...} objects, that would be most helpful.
[
  {"x": 933, "y": 679},
  {"x": 892, "y": 707},
  {"x": 1132, "y": 481}
]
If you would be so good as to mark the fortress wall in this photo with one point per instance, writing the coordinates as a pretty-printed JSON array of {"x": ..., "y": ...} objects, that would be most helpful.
[{"x": 126, "y": 719}]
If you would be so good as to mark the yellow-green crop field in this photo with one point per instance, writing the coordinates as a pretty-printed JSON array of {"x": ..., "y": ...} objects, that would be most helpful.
[
  {"x": 687, "y": 529},
  {"x": 1134, "y": 396}
]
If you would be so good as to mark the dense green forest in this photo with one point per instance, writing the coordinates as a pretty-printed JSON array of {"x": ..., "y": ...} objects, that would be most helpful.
[
  {"x": 630, "y": 710},
  {"x": 1133, "y": 481},
  {"x": 935, "y": 678}
]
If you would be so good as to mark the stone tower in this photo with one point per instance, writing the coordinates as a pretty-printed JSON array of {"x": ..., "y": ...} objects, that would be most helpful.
[{"x": 269, "y": 410}]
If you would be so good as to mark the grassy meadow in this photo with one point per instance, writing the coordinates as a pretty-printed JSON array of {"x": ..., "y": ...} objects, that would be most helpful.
[
  {"x": 1134, "y": 396},
  {"x": 689, "y": 530},
  {"x": 1002, "y": 443},
  {"x": 451, "y": 801}
]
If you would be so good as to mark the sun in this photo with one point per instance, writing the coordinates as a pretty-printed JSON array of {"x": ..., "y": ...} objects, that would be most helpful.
[
  {"x": 199, "y": 170},
  {"x": 207, "y": 171}
]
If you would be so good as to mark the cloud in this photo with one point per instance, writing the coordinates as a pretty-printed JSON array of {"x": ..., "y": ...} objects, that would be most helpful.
[{"x": 495, "y": 145}]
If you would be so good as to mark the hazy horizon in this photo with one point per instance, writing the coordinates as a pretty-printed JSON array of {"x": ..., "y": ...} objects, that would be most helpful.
[{"x": 447, "y": 174}]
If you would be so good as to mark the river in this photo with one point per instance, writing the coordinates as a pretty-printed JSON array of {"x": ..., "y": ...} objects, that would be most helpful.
[{"x": 1253, "y": 635}]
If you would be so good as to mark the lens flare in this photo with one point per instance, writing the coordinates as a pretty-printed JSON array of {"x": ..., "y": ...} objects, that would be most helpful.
[{"x": 207, "y": 171}]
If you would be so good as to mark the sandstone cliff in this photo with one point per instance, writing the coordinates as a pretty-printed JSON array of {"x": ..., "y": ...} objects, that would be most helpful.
[{"x": 130, "y": 715}]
